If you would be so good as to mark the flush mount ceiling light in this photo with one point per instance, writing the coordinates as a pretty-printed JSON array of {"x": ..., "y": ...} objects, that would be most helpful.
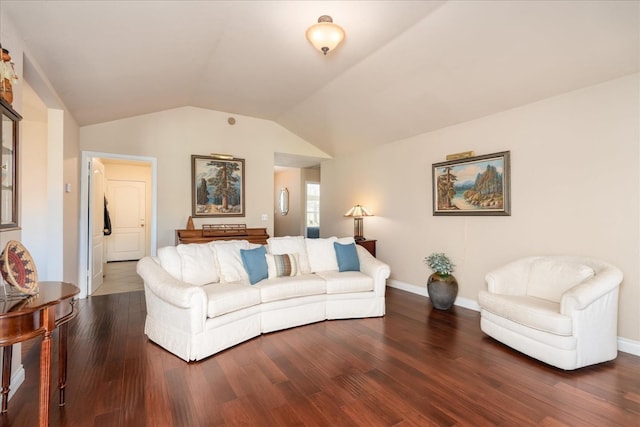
[{"x": 325, "y": 35}]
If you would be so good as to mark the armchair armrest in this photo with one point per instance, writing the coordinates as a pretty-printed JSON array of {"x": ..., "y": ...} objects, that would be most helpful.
[
  {"x": 581, "y": 296},
  {"x": 375, "y": 268}
]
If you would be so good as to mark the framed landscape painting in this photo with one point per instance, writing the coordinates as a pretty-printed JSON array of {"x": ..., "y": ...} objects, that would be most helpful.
[
  {"x": 477, "y": 185},
  {"x": 217, "y": 187}
]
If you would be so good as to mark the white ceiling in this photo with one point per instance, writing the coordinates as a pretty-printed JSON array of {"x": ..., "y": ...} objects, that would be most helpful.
[{"x": 406, "y": 67}]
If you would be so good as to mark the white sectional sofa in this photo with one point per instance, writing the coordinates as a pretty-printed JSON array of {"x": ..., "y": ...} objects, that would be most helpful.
[{"x": 200, "y": 299}]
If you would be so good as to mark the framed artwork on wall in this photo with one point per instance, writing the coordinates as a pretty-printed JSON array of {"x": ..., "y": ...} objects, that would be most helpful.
[
  {"x": 477, "y": 185},
  {"x": 217, "y": 187}
]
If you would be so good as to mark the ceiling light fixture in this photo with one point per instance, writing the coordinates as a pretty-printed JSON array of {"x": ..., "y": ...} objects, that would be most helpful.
[{"x": 325, "y": 35}]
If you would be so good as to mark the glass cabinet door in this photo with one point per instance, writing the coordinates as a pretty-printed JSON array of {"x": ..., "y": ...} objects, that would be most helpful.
[{"x": 9, "y": 184}]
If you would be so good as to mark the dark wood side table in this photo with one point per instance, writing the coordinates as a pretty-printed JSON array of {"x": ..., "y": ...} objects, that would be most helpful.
[
  {"x": 369, "y": 245},
  {"x": 26, "y": 318}
]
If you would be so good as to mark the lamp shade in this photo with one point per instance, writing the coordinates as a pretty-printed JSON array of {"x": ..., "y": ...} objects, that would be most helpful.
[
  {"x": 358, "y": 211},
  {"x": 325, "y": 35}
]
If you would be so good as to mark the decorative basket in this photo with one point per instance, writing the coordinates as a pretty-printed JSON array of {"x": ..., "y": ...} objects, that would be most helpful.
[{"x": 18, "y": 268}]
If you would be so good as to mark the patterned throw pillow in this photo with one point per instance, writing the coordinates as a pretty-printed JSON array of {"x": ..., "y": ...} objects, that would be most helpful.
[{"x": 282, "y": 265}]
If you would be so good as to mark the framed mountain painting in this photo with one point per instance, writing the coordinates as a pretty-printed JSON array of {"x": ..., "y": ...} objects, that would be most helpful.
[
  {"x": 217, "y": 187},
  {"x": 477, "y": 185}
]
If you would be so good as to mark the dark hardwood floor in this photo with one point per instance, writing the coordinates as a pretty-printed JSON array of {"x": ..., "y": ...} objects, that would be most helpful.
[{"x": 414, "y": 367}]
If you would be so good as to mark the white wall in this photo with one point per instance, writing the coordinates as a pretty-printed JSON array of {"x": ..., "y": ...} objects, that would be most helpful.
[
  {"x": 173, "y": 136},
  {"x": 71, "y": 199},
  {"x": 575, "y": 162},
  {"x": 34, "y": 191}
]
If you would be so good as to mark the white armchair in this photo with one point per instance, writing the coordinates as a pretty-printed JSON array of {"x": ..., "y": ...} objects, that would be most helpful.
[{"x": 561, "y": 310}]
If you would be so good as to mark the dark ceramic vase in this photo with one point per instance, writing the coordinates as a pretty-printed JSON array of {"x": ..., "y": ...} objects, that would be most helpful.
[{"x": 442, "y": 290}]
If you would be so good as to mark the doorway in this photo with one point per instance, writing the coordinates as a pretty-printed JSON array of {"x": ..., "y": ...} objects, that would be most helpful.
[
  {"x": 312, "y": 214},
  {"x": 129, "y": 195}
]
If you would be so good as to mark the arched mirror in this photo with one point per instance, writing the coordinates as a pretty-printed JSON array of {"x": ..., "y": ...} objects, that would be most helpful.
[{"x": 283, "y": 201}]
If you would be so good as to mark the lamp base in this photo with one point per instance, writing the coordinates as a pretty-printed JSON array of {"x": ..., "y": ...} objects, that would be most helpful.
[{"x": 359, "y": 238}]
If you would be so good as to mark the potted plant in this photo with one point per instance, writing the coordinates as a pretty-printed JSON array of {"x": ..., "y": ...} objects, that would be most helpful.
[{"x": 442, "y": 286}]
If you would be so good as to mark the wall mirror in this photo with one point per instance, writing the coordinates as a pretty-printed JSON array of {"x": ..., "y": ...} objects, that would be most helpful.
[
  {"x": 283, "y": 201},
  {"x": 9, "y": 161}
]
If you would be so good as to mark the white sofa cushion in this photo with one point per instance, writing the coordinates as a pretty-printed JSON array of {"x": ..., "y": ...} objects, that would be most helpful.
[
  {"x": 170, "y": 261},
  {"x": 198, "y": 263},
  {"x": 549, "y": 278},
  {"x": 322, "y": 255},
  {"x": 228, "y": 297},
  {"x": 291, "y": 287},
  {"x": 533, "y": 312},
  {"x": 346, "y": 281},
  {"x": 228, "y": 255},
  {"x": 346, "y": 240},
  {"x": 291, "y": 245}
]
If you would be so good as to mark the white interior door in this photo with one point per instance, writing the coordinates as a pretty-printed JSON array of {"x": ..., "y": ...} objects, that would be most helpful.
[
  {"x": 97, "y": 224},
  {"x": 127, "y": 211}
]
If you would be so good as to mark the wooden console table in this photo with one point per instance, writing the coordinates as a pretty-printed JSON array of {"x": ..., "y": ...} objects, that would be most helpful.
[
  {"x": 253, "y": 235},
  {"x": 41, "y": 314},
  {"x": 369, "y": 245}
]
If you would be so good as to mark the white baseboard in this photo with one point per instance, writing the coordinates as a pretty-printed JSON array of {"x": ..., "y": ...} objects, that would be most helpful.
[
  {"x": 624, "y": 344},
  {"x": 16, "y": 381},
  {"x": 629, "y": 346}
]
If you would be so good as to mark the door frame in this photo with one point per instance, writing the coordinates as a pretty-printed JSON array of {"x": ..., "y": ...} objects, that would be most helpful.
[{"x": 84, "y": 235}]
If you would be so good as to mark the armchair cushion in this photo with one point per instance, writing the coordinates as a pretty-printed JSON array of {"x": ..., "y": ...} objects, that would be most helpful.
[
  {"x": 535, "y": 313},
  {"x": 550, "y": 278}
]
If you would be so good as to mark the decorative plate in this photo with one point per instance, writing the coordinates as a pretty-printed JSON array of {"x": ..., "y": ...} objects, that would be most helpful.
[{"x": 18, "y": 268}]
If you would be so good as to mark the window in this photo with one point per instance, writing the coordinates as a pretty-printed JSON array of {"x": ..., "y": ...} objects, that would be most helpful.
[{"x": 312, "y": 221}]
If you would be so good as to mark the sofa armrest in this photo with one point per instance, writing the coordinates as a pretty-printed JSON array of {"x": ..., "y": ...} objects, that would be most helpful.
[
  {"x": 581, "y": 296},
  {"x": 375, "y": 268},
  {"x": 169, "y": 289}
]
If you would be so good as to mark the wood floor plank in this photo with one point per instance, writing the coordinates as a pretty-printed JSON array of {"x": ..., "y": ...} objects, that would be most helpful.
[{"x": 413, "y": 367}]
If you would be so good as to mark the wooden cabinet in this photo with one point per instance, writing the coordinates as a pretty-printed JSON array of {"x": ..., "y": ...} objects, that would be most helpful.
[
  {"x": 253, "y": 235},
  {"x": 369, "y": 245}
]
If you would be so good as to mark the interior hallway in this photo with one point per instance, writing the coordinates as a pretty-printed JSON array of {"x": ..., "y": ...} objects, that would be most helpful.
[{"x": 120, "y": 277}]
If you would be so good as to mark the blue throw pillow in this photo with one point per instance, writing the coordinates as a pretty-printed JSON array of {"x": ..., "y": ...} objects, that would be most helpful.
[
  {"x": 255, "y": 263},
  {"x": 347, "y": 257}
]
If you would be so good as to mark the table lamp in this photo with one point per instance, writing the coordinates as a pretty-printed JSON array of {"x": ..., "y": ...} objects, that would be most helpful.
[{"x": 357, "y": 212}]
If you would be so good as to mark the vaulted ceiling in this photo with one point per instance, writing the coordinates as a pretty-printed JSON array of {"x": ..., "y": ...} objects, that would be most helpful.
[{"x": 405, "y": 68}]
